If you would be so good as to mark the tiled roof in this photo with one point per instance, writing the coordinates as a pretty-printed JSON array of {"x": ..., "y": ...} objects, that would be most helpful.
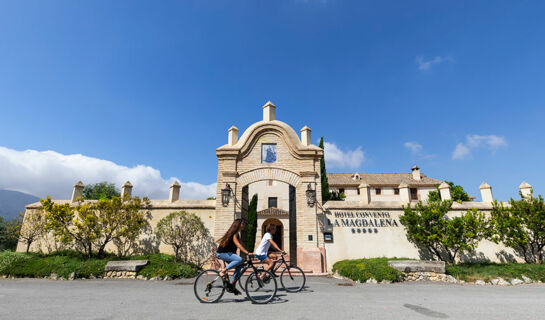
[
  {"x": 273, "y": 212},
  {"x": 379, "y": 179}
]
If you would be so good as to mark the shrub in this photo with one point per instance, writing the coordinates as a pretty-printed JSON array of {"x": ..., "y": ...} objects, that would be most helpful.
[
  {"x": 92, "y": 225},
  {"x": 365, "y": 269},
  {"x": 162, "y": 265},
  {"x": 488, "y": 271},
  {"x": 8, "y": 259},
  {"x": 428, "y": 226},
  {"x": 186, "y": 234},
  {"x": 521, "y": 226}
]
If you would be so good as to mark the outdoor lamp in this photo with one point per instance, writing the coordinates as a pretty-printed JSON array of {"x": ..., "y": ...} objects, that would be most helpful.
[
  {"x": 311, "y": 196},
  {"x": 225, "y": 195}
]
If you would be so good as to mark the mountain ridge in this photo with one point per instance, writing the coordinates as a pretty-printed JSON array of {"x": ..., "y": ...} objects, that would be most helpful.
[{"x": 14, "y": 202}]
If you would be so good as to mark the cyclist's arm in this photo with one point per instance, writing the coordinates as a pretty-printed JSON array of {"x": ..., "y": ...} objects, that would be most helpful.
[
  {"x": 239, "y": 245},
  {"x": 275, "y": 245}
]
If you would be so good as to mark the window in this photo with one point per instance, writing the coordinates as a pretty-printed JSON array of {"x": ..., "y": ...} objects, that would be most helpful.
[
  {"x": 414, "y": 194},
  {"x": 378, "y": 191},
  {"x": 358, "y": 190},
  {"x": 396, "y": 191},
  {"x": 273, "y": 202}
]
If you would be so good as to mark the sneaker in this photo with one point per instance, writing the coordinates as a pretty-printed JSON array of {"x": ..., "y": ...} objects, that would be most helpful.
[{"x": 236, "y": 292}]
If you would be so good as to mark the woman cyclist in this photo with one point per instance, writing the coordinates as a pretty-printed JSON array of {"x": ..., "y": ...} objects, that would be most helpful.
[{"x": 227, "y": 248}]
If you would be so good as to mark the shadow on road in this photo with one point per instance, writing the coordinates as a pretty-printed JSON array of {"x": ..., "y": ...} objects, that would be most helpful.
[{"x": 426, "y": 311}]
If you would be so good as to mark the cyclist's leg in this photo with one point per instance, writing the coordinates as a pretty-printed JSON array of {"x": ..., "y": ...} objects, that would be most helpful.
[
  {"x": 234, "y": 261},
  {"x": 225, "y": 258},
  {"x": 237, "y": 264}
]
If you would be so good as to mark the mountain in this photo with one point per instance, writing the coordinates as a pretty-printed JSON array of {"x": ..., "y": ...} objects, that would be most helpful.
[{"x": 14, "y": 202}]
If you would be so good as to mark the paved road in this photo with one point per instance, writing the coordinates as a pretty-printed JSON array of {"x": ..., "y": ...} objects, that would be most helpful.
[{"x": 323, "y": 299}]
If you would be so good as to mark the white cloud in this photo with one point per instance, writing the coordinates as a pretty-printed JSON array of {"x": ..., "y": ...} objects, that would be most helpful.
[
  {"x": 490, "y": 142},
  {"x": 414, "y": 147},
  {"x": 426, "y": 65},
  {"x": 44, "y": 173},
  {"x": 336, "y": 158}
]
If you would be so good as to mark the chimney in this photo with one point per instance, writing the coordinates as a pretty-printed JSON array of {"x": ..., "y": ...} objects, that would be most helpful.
[
  {"x": 233, "y": 136},
  {"x": 444, "y": 190},
  {"x": 365, "y": 196},
  {"x": 305, "y": 136},
  {"x": 525, "y": 189},
  {"x": 174, "y": 192},
  {"x": 486, "y": 193},
  {"x": 126, "y": 190},
  {"x": 404, "y": 192},
  {"x": 269, "y": 112},
  {"x": 78, "y": 191},
  {"x": 416, "y": 173}
]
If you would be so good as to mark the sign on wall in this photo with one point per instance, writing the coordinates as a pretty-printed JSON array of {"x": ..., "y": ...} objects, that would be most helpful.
[{"x": 364, "y": 221}]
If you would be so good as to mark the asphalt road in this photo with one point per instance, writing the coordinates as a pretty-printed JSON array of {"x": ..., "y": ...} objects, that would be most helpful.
[{"x": 324, "y": 298}]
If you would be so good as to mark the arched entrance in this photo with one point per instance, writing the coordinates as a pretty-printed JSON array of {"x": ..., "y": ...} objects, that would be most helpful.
[
  {"x": 272, "y": 150},
  {"x": 278, "y": 236}
]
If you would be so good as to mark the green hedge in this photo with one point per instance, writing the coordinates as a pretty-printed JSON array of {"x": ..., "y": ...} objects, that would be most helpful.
[
  {"x": 365, "y": 269},
  {"x": 63, "y": 263},
  {"x": 488, "y": 271}
]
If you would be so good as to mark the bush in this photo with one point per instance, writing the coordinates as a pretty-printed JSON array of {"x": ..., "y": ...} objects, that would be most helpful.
[
  {"x": 429, "y": 227},
  {"x": 9, "y": 258},
  {"x": 162, "y": 265},
  {"x": 365, "y": 269},
  {"x": 34, "y": 265},
  {"x": 488, "y": 271},
  {"x": 63, "y": 263},
  {"x": 521, "y": 226},
  {"x": 186, "y": 234}
]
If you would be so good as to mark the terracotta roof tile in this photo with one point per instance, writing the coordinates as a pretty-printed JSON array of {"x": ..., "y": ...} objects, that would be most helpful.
[{"x": 379, "y": 179}]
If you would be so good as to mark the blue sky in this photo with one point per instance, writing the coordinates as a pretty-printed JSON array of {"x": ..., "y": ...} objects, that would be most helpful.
[{"x": 453, "y": 86}]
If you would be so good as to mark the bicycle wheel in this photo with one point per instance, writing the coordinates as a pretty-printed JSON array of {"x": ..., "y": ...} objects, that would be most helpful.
[
  {"x": 258, "y": 290},
  {"x": 293, "y": 279},
  {"x": 208, "y": 286}
]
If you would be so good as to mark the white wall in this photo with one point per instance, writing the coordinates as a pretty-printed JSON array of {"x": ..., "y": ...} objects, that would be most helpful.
[{"x": 264, "y": 191}]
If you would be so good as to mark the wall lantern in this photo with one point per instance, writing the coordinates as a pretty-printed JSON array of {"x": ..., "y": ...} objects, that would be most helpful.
[
  {"x": 226, "y": 195},
  {"x": 311, "y": 196}
]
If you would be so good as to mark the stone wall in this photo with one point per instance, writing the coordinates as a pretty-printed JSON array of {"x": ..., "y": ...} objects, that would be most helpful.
[
  {"x": 159, "y": 209},
  {"x": 373, "y": 230}
]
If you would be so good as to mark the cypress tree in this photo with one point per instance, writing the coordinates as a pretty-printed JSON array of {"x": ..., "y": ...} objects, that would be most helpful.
[
  {"x": 252, "y": 224},
  {"x": 323, "y": 174}
]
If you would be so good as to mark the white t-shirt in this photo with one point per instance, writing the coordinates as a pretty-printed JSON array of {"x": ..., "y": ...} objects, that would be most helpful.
[{"x": 264, "y": 245}]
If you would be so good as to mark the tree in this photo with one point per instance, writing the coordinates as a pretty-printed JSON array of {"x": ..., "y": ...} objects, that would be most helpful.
[
  {"x": 323, "y": 174},
  {"x": 457, "y": 193},
  {"x": 252, "y": 224},
  {"x": 30, "y": 229},
  {"x": 8, "y": 237},
  {"x": 521, "y": 226},
  {"x": 101, "y": 190},
  {"x": 428, "y": 226},
  {"x": 179, "y": 230},
  {"x": 92, "y": 225}
]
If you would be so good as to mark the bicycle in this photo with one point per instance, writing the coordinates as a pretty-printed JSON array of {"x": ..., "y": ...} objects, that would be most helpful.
[
  {"x": 288, "y": 277},
  {"x": 210, "y": 286}
]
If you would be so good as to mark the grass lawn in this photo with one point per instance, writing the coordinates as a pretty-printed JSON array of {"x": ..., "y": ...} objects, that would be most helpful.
[
  {"x": 35, "y": 265},
  {"x": 488, "y": 271}
]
